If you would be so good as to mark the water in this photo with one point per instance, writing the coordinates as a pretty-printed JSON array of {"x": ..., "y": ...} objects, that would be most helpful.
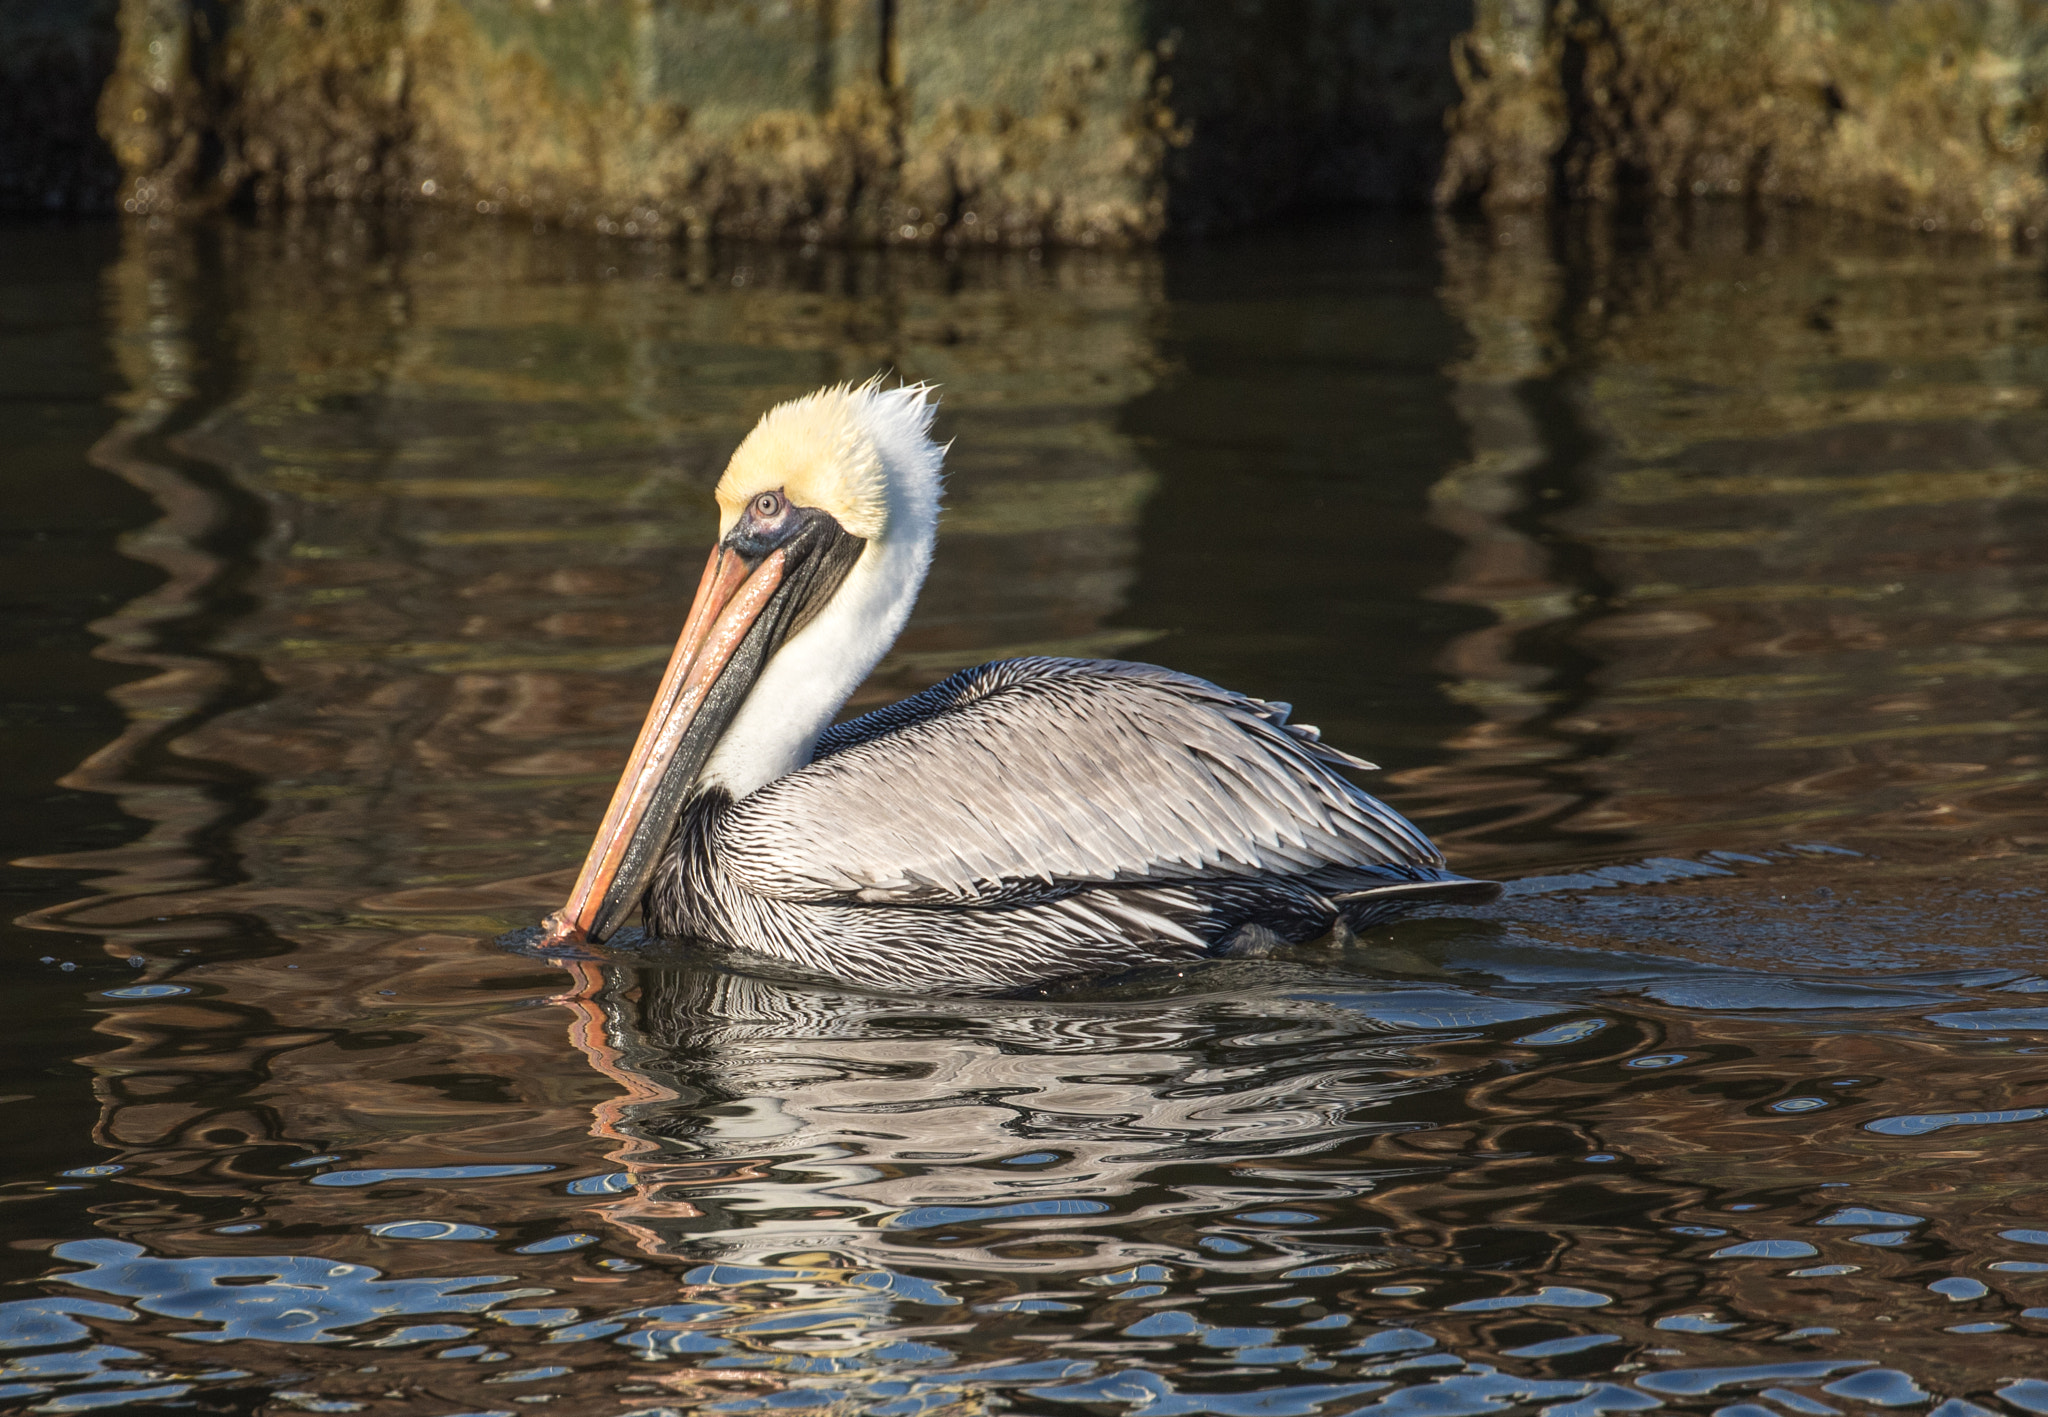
[{"x": 1692, "y": 579}]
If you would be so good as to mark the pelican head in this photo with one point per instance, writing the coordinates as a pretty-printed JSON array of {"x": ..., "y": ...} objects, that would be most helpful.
[{"x": 827, "y": 515}]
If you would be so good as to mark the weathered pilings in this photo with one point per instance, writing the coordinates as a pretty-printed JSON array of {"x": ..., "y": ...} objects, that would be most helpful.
[
  {"x": 1930, "y": 112},
  {"x": 1027, "y": 121},
  {"x": 920, "y": 121}
]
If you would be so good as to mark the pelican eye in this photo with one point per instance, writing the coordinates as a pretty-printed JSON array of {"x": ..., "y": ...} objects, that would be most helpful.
[{"x": 768, "y": 506}]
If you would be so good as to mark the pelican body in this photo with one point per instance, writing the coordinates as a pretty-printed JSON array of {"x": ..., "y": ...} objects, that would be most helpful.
[{"x": 1022, "y": 821}]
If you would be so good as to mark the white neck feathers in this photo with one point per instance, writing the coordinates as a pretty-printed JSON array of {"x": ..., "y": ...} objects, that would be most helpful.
[{"x": 805, "y": 683}]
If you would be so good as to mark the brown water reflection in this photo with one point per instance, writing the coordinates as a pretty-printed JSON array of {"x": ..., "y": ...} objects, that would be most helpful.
[
  {"x": 1787, "y": 528},
  {"x": 1701, "y": 541}
]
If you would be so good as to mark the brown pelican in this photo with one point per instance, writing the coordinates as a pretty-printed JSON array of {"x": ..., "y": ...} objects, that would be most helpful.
[{"x": 1022, "y": 821}]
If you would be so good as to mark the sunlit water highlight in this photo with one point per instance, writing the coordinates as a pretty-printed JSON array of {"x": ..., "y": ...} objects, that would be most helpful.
[{"x": 1693, "y": 580}]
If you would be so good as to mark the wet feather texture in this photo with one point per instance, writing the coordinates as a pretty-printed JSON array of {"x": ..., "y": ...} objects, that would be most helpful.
[
  {"x": 1058, "y": 771},
  {"x": 1031, "y": 819},
  {"x": 1037, "y": 818}
]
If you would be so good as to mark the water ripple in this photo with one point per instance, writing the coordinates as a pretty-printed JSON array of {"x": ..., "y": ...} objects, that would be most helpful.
[{"x": 282, "y": 1298}]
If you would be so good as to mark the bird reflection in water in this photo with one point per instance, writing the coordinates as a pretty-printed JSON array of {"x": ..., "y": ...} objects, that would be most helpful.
[
  {"x": 759, "y": 1120},
  {"x": 1294, "y": 1160}
]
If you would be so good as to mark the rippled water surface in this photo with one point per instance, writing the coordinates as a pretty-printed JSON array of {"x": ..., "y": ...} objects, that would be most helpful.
[{"x": 1692, "y": 580}]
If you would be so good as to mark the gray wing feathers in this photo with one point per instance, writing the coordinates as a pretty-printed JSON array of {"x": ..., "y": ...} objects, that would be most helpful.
[{"x": 1055, "y": 772}]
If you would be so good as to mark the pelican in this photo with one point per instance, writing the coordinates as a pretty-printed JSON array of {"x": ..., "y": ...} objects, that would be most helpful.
[{"x": 1024, "y": 821}]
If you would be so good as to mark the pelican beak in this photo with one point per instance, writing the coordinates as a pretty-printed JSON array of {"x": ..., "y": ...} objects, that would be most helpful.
[
  {"x": 729, "y": 602},
  {"x": 752, "y": 597}
]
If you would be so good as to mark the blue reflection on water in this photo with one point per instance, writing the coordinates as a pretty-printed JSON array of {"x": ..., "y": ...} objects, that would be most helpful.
[
  {"x": 1560, "y": 1347},
  {"x": 1170, "y": 1323},
  {"x": 1550, "y": 1296},
  {"x": 1883, "y": 1387},
  {"x": 1155, "y": 1396},
  {"x": 2031, "y": 1394},
  {"x": 1863, "y": 1215},
  {"x": 85, "y": 1401},
  {"x": 1765, "y": 1250},
  {"x": 422, "y": 1333},
  {"x": 1389, "y": 1340},
  {"x": 580, "y": 1333},
  {"x": 430, "y": 1230},
  {"x": 925, "y": 1217},
  {"x": 899, "y": 1286},
  {"x": 1697, "y": 1382},
  {"x": 39, "y": 1323},
  {"x": 296, "y": 1299},
  {"x": 1694, "y": 1323},
  {"x": 536, "y": 1318},
  {"x": 1959, "y": 1288},
  {"x": 1993, "y": 1020},
  {"x": 1922, "y": 1124},
  {"x": 611, "y": 1184},
  {"x": 841, "y": 1317},
  {"x": 304, "y": 1299},
  {"x": 555, "y": 1244},
  {"x": 529, "y": 1375},
  {"x": 95, "y": 1365},
  {"x": 1563, "y": 1033},
  {"x": 424, "y": 1173}
]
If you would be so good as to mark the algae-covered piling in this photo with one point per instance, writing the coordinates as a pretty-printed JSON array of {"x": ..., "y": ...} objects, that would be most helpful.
[
  {"x": 1027, "y": 121},
  {"x": 1077, "y": 121}
]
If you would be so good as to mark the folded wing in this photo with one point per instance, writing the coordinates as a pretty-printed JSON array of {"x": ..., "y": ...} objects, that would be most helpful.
[{"x": 1030, "y": 775}]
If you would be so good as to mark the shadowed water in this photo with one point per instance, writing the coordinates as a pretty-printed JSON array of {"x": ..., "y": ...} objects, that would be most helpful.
[{"x": 1690, "y": 579}]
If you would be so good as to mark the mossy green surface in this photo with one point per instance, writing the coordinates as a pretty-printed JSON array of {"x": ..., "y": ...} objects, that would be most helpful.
[
  {"x": 921, "y": 121},
  {"x": 1079, "y": 121},
  {"x": 1931, "y": 112}
]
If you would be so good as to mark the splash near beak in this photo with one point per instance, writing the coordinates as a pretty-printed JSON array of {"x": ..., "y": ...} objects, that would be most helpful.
[{"x": 667, "y": 756}]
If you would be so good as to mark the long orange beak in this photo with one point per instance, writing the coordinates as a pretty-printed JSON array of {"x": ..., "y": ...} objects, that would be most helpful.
[{"x": 730, "y": 598}]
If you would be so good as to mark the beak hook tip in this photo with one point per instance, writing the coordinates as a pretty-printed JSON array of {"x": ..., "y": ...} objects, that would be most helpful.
[{"x": 558, "y": 929}]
